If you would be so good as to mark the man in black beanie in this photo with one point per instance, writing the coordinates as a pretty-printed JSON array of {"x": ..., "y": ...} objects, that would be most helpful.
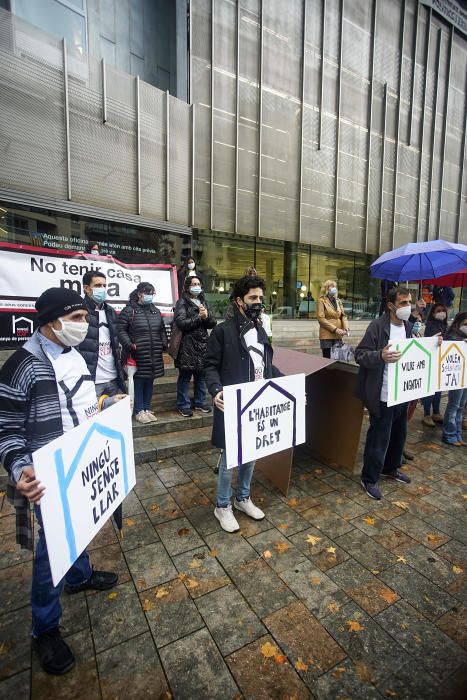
[{"x": 46, "y": 390}]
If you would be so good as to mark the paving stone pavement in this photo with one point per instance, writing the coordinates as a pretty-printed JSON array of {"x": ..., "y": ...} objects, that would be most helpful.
[{"x": 332, "y": 596}]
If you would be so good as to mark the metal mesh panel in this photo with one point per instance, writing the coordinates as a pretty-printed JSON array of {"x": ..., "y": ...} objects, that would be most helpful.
[
  {"x": 153, "y": 140},
  {"x": 32, "y": 117},
  {"x": 202, "y": 199},
  {"x": 179, "y": 161}
]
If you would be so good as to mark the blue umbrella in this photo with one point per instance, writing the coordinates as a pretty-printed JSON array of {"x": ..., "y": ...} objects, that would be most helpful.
[{"x": 419, "y": 261}]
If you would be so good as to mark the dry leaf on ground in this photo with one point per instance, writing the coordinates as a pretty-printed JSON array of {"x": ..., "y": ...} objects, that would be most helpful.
[
  {"x": 354, "y": 626},
  {"x": 369, "y": 520},
  {"x": 183, "y": 532},
  {"x": 313, "y": 539},
  {"x": 281, "y": 546}
]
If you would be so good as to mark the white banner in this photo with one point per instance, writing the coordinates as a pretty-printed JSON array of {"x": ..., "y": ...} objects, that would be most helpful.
[
  {"x": 415, "y": 374},
  {"x": 452, "y": 360},
  {"x": 26, "y": 272},
  {"x": 87, "y": 472},
  {"x": 263, "y": 417}
]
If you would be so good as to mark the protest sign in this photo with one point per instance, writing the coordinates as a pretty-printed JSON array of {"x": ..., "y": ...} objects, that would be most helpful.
[
  {"x": 27, "y": 271},
  {"x": 87, "y": 472},
  {"x": 452, "y": 358},
  {"x": 263, "y": 417},
  {"x": 414, "y": 375}
]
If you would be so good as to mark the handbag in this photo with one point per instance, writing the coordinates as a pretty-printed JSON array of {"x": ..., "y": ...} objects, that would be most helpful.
[
  {"x": 341, "y": 352},
  {"x": 175, "y": 340}
]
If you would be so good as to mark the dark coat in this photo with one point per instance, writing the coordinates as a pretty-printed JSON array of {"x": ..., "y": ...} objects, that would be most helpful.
[
  {"x": 433, "y": 327},
  {"x": 89, "y": 348},
  {"x": 195, "y": 333},
  {"x": 142, "y": 325},
  {"x": 444, "y": 296},
  {"x": 228, "y": 362},
  {"x": 368, "y": 356}
]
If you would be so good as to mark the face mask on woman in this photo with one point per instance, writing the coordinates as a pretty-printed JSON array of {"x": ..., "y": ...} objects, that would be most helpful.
[
  {"x": 440, "y": 316},
  {"x": 191, "y": 266},
  {"x": 196, "y": 290},
  {"x": 71, "y": 333},
  {"x": 147, "y": 298},
  {"x": 333, "y": 291},
  {"x": 463, "y": 330}
]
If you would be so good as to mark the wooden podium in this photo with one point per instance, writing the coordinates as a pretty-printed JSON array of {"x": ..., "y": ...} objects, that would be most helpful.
[{"x": 333, "y": 415}]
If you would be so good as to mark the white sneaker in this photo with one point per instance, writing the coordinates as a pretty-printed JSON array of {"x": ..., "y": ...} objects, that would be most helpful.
[
  {"x": 151, "y": 416},
  {"x": 227, "y": 519},
  {"x": 248, "y": 507},
  {"x": 141, "y": 417}
]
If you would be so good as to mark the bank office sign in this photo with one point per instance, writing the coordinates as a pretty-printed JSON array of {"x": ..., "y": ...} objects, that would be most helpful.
[
  {"x": 27, "y": 271},
  {"x": 451, "y": 11}
]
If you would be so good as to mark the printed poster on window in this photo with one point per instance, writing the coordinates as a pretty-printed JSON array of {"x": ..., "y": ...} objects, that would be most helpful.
[{"x": 263, "y": 417}]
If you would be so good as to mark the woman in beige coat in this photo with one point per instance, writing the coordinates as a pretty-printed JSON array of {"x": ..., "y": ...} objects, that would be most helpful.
[{"x": 333, "y": 323}]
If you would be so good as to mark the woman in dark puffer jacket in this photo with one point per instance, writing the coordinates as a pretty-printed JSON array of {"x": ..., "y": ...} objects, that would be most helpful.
[
  {"x": 142, "y": 334},
  {"x": 193, "y": 317},
  {"x": 437, "y": 322}
]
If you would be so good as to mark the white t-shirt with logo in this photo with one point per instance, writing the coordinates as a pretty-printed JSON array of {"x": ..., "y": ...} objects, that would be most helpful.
[
  {"x": 76, "y": 389},
  {"x": 256, "y": 350},
  {"x": 396, "y": 333},
  {"x": 106, "y": 370}
]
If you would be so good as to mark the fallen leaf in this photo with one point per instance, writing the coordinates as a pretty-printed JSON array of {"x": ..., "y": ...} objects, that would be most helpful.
[
  {"x": 435, "y": 539},
  {"x": 464, "y": 495},
  {"x": 155, "y": 507},
  {"x": 300, "y": 665},
  {"x": 403, "y": 626},
  {"x": 369, "y": 520},
  {"x": 280, "y": 659},
  {"x": 161, "y": 593},
  {"x": 417, "y": 638},
  {"x": 283, "y": 526},
  {"x": 375, "y": 572},
  {"x": 354, "y": 626},
  {"x": 112, "y": 595},
  {"x": 147, "y": 605},
  {"x": 333, "y": 607},
  {"x": 267, "y": 554},
  {"x": 363, "y": 672},
  {"x": 269, "y": 650},
  {"x": 318, "y": 471},
  {"x": 457, "y": 569},
  {"x": 331, "y": 550},
  {"x": 183, "y": 532},
  {"x": 129, "y": 522},
  {"x": 3, "y": 649},
  {"x": 194, "y": 564},
  {"x": 292, "y": 502},
  {"x": 281, "y": 546},
  {"x": 213, "y": 552},
  {"x": 315, "y": 580},
  {"x": 402, "y": 559},
  {"x": 191, "y": 583},
  {"x": 390, "y": 693},
  {"x": 2, "y": 493},
  {"x": 401, "y": 504},
  {"x": 388, "y": 595},
  {"x": 313, "y": 539}
]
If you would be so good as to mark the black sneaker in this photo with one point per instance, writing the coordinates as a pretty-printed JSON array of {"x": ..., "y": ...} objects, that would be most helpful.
[
  {"x": 55, "y": 655},
  {"x": 98, "y": 581},
  {"x": 203, "y": 409},
  {"x": 185, "y": 412}
]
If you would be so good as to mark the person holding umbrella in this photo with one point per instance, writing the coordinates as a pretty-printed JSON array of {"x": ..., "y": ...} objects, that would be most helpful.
[{"x": 457, "y": 398}]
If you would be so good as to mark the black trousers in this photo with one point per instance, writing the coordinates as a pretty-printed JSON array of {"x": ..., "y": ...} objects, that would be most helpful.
[{"x": 385, "y": 442}]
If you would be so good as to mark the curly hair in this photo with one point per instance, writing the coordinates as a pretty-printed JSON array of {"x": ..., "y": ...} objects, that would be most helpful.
[{"x": 243, "y": 286}]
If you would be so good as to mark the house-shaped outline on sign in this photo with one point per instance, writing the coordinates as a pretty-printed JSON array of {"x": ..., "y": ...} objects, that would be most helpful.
[
  {"x": 64, "y": 481},
  {"x": 241, "y": 411},
  {"x": 441, "y": 358},
  {"x": 15, "y": 320},
  {"x": 407, "y": 348}
]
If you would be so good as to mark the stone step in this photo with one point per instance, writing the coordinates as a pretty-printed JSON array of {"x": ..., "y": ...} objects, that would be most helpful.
[
  {"x": 153, "y": 447},
  {"x": 171, "y": 422}
]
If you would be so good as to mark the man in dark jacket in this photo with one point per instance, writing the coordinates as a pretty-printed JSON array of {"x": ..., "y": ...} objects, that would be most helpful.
[
  {"x": 238, "y": 351},
  {"x": 46, "y": 390},
  {"x": 100, "y": 348},
  {"x": 388, "y": 424}
]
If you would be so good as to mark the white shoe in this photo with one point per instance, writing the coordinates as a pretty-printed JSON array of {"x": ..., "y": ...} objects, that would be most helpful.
[
  {"x": 227, "y": 519},
  {"x": 248, "y": 507},
  {"x": 151, "y": 416},
  {"x": 141, "y": 417}
]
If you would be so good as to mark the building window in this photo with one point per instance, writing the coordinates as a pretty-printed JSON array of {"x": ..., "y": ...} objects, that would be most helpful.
[{"x": 63, "y": 18}]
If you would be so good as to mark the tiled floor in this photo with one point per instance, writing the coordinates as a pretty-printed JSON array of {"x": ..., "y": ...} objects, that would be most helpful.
[{"x": 332, "y": 596}]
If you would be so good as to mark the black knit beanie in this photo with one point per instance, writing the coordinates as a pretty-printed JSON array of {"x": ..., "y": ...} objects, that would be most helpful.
[{"x": 56, "y": 302}]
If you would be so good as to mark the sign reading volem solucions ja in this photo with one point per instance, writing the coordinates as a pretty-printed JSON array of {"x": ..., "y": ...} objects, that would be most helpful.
[
  {"x": 263, "y": 417},
  {"x": 87, "y": 473},
  {"x": 414, "y": 375},
  {"x": 452, "y": 360}
]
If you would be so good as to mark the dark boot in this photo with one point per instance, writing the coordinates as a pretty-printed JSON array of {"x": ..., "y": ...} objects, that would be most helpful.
[{"x": 54, "y": 654}]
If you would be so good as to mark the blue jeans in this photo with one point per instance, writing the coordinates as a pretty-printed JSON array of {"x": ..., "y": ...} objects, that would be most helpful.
[
  {"x": 109, "y": 388},
  {"x": 224, "y": 482},
  {"x": 143, "y": 393},
  {"x": 452, "y": 424},
  {"x": 385, "y": 442},
  {"x": 431, "y": 402},
  {"x": 183, "y": 389},
  {"x": 45, "y": 597}
]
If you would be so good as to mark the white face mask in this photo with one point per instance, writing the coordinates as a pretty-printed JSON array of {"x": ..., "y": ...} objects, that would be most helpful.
[
  {"x": 440, "y": 316},
  {"x": 403, "y": 313},
  {"x": 333, "y": 291},
  {"x": 94, "y": 251},
  {"x": 71, "y": 333},
  {"x": 463, "y": 329},
  {"x": 191, "y": 266}
]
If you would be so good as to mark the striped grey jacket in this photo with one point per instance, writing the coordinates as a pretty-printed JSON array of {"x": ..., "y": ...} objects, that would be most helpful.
[{"x": 30, "y": 418}]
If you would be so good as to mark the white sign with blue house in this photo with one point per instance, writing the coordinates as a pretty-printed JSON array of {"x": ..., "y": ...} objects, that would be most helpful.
[
  {"x": 263, "y": 417},
  {"x": 87, "y": 472}
]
